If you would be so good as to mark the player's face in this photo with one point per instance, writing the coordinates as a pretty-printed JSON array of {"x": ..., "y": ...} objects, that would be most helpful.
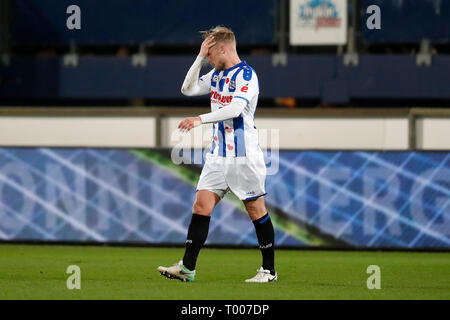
[{"x": 215, "y": 58}]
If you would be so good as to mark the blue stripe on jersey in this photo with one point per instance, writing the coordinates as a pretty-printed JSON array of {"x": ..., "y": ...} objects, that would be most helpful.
[
  {"x": 247, "y": 73},
  {"x": 222, "y": 145},
  {"x": 223, "y": 79},
  {"x": 221, "y": 83},
  {"x": 240, "y": 64},
  {"x": 236, "y": 73},
  {"x": 213, "y": 146},
  {"x": 239, "y": 136},
  {"x": 233, "y": 80}
]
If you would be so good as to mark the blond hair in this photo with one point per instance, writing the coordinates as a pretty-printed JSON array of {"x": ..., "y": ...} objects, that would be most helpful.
[{"x": 220, "y": 34}]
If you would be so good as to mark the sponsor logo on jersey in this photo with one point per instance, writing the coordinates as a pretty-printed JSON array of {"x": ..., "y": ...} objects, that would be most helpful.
[
  {"x": 244, "y": 89},
  {"x": 220, "y": 99}
]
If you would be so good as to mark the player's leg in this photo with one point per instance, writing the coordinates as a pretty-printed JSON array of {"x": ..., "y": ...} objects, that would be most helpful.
[
  {"x": 204, "y": 204},
  {"x": 266, "y": 238},
  {"x": 211, "y": 188}
]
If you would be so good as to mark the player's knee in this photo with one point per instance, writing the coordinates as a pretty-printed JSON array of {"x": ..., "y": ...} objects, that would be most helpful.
[
  {"x": 254, "y": 214},
  {"x": 201, "y": 208},
  {"x": 255, "y": 209},
  {"x": 251, "y": 212},
  {"x": 252, "y": 206}
]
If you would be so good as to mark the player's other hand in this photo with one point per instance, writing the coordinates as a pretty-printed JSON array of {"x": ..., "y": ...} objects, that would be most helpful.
[
  {"x": 189, "y": 123},
  {"x": 206, "y": 45}
]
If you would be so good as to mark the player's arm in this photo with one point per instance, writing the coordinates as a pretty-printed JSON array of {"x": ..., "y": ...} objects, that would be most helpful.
[
  {"x": 233, "y": 110},
  {"x": 192, "y": 85},
  {"x": 246, "y": 88}
]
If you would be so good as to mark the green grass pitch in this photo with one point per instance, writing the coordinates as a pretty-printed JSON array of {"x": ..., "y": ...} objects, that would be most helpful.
[{"x": 39, "y": 272}]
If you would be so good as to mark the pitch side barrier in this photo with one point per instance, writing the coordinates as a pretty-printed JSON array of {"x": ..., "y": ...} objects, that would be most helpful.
[{"x": 328, "y": 129}]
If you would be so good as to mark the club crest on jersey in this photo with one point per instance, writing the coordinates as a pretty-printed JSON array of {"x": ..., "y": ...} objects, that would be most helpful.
[{"x": 232, "y": 86}]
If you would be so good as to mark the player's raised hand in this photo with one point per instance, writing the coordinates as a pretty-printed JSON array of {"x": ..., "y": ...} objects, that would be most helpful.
[
  {"x": 189, "y": 123},
  {"x": 206, "y": 45}
]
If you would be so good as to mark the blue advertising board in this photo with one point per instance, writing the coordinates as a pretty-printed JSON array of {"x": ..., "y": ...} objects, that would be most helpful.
[{"x": 316, "y": 198}]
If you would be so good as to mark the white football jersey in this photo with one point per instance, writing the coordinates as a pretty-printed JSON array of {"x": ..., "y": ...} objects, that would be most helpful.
[{"x": 236, "y": 137}]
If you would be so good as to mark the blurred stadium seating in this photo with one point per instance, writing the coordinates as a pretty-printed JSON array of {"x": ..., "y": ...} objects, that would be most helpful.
[
  {"x": 411, "y": 21},
  {"x": 39, "y": 67},
  {"x": 108, "y": 22}
]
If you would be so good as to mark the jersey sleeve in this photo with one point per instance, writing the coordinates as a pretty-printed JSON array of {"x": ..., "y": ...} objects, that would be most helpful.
[
  {"x": 204, "y": 82},
  {"x": 247, "y": 86},
  {"x": 192, "y": 84},
  {"x": 233, "y": 110}
]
